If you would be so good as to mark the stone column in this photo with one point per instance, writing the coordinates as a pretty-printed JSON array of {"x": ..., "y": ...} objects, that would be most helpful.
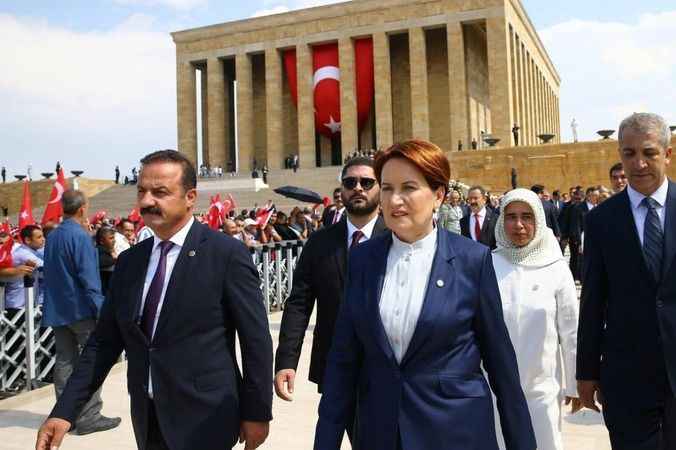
[
  {"x": 186, "y": 99},
  {"x": 533, "y": 116},
  {"x": 273, "y": 108},
  {"x": 457, "y": 83},
  {"x": 383, "y": 89},
  {"x": 216, "y": 106},
  {"x": 306, "y": 116},
  {"x": 500, "y": 79},
  {"x": 348, "y": 97},
  {"x": 419, "y": 93},
  {"x": 245, "y": 112}
]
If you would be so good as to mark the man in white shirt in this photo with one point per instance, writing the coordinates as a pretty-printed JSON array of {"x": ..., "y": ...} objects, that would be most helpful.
[{"x": 479, "y": 225}]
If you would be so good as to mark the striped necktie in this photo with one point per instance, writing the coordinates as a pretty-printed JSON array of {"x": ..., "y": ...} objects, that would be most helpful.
[{"x": 653, "y": 238}]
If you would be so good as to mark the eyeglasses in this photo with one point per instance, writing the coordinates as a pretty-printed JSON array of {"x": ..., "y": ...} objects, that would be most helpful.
[{"x": 365, "y": 183}]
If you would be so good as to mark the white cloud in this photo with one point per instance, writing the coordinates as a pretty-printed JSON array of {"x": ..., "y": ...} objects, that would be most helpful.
[
  {"x": 282, "y": 6},
  {"x": 89, "y": 98},
  {"x": 175, "y": 4},
  {"x": 610, "y": 70}
]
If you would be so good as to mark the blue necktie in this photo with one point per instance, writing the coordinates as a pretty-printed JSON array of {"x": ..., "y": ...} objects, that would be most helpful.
[{"x": 653, "y": 238}]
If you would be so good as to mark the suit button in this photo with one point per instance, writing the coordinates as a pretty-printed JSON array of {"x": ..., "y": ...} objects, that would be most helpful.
[
  {"x": 660, "y": 303},
  {"x": 151, "y": 349}
]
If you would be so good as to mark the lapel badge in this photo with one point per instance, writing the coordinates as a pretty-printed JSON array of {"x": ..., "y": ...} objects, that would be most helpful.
[
  {"x": 191, "y": 253},
  {"x": 440, "y": 283},
  {"x": 536, "y": 287}
]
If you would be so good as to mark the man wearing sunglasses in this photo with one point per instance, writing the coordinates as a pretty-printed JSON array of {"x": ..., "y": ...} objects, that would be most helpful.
[
  {"x": 334, "y": 212},
  {"x": 320, "y": 274}
]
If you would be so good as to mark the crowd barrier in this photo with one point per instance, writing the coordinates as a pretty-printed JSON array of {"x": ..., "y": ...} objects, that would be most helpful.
[{"x": 27, "y": 349}]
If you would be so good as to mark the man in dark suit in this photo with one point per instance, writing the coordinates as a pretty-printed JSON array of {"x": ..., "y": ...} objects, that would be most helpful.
[
  {"x": 576, "y": 223},
  {"x": 320, "y": 274},
  {"x": 334, "y": 212},
  {"x": 627, "y": 331},
  {"x": 479, "y": 225},
  {"x": 551, "y": 213},
  {"x": 175, "y": 304}
]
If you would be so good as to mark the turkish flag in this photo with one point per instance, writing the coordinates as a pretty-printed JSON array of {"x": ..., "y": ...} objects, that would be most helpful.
[
  {"x": 263, "y": 215},
  {"x": 134, "y": 215},
  {"x": 326, "y": 84},
  {"x": 26, "y": 213},
  {"x": 6, "y": 254},
  {"x": 54, "y": 209},
  {"x": 215, "y": 215},
  {"x": 98, "y": 217}
]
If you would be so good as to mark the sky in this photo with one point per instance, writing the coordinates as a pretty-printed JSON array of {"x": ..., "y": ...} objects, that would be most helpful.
[{"x": 92, "y": 82}]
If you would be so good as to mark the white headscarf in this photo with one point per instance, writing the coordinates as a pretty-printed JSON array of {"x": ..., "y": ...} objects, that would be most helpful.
[{"x": 543, "y": 250}]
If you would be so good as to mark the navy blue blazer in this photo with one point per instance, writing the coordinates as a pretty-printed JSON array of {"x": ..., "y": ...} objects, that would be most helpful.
[
  {"x": 438, "y": 395},
  {"x": 199, "y": 393},
  {"x": 627, "y": 329},
  {"x": 72, "y": 281}
]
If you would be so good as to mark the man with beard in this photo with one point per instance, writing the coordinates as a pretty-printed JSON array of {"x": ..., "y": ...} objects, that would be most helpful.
[{"x": 320, "y": 274}]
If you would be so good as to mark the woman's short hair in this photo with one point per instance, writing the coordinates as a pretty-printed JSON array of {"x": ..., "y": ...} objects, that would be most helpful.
[
  {"x": 425, "y": 156},
  {"x": 103, "y": 232}
]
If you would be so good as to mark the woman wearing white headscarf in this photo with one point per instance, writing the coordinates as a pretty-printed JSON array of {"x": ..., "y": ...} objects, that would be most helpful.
[{"x": 540, "y": 307}]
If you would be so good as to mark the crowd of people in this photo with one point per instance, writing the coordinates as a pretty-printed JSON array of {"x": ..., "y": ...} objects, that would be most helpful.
[{"x": 443, "y": 315}]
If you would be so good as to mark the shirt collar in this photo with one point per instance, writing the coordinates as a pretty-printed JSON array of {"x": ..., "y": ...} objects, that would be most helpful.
[
  {"x": 481, "y": 213},
  {"x": 366, "y": 229},
  {"x": 589, "y": 205},
  {"x": 178, "y": 238},
  {"x": 660, "y": 195},
  {"x": 426, "y": 244}
]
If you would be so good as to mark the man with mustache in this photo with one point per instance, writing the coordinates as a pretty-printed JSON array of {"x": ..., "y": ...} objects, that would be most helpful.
[
  {"x": 320, "y": 274},
  {"x": 479, "y": 225},
  {"x": 175, "y": 304}
]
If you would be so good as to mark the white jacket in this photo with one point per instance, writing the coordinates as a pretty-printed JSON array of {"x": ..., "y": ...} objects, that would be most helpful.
[{"x": 541, "y": 310}]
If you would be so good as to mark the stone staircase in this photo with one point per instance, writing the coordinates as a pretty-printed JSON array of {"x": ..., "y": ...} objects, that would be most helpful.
[{"x": 120, "y": 199}]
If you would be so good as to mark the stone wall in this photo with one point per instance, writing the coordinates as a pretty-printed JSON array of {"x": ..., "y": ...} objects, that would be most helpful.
[
  {"x": 11, "y": 194},
  {"x": 557, "y": 166}
]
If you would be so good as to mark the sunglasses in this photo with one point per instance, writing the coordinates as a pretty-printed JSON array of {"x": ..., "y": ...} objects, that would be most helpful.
[{"x": 365, "y": 183}]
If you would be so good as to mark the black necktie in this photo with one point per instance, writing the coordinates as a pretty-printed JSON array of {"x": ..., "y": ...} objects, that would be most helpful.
[
  {"x": 653, "y": 238},
  {"x": 356, "y": 237}
]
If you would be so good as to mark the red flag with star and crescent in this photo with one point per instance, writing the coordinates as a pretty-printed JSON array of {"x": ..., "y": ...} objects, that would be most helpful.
[
  {"x": 54, "y": 209},
  {"x": 26, "y": 213},
  {"x": 326, "y": 84}
]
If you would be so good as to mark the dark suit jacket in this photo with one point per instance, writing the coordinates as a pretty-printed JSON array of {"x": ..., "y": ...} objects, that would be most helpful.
[
  {"x": 328, "y": 215},
  {"x": 627, "y": 331},
  {"x": 438, "y": 392},
  {"x": 199, "y": 393},
  {"x": 576, "y": 221},
  {"x": 552, "y": 217},
  {"x": 487, "y": 229},
  {"x": 319, "y": 276}
]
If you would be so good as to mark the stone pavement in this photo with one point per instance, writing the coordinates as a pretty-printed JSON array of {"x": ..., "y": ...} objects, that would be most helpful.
[{"x": 291, "y": 429}]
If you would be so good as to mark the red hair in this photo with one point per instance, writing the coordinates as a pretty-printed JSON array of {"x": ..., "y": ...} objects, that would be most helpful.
[{"x": 425, "y": 156}]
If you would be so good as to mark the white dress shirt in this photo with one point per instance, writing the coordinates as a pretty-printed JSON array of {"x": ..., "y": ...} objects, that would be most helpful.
[
  {"x": 640, "y": 212},
  {"x": 472, "y": 222},
  {"x": 590, "y": 206},
  {"x": 366, "y": 229},
  {"x": 406, "y": 279},
  {"x": 178, "y": 239}
]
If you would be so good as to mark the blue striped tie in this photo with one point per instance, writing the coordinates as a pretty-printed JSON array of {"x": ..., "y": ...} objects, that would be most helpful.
[{"x": 652, "y": 238}]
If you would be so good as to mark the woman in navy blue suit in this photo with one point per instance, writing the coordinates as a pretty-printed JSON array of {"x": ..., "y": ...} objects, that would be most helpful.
[{"x": 421, "y": 314}]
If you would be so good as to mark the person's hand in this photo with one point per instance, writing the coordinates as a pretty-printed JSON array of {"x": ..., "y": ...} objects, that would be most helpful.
[
  {"x": 24, "y": 270},
  {"x": 253, "y": 434},
  {"x": 284, "y": 381},
  {"x": 51, "y": 434},
  {"x": 587, "y": 390},
  {"x": 575, "y": 402}
]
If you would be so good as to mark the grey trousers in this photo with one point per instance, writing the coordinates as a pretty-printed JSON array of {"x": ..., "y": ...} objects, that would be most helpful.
[{"x": 70, "y": 341}]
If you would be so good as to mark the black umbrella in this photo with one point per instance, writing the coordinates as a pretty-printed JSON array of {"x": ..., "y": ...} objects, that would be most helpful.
[{"x": 300, "y": 194}]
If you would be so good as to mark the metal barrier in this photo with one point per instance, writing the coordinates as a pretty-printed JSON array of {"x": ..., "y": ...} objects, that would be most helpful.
[{"x": 27, "y": 350}]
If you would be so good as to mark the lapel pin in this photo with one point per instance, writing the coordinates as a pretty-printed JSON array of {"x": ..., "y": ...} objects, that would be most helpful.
[
  {"x": 440, "y": 283},
  {"x": 536, "y": 287},
  {"x": 191, "y": 253}
]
